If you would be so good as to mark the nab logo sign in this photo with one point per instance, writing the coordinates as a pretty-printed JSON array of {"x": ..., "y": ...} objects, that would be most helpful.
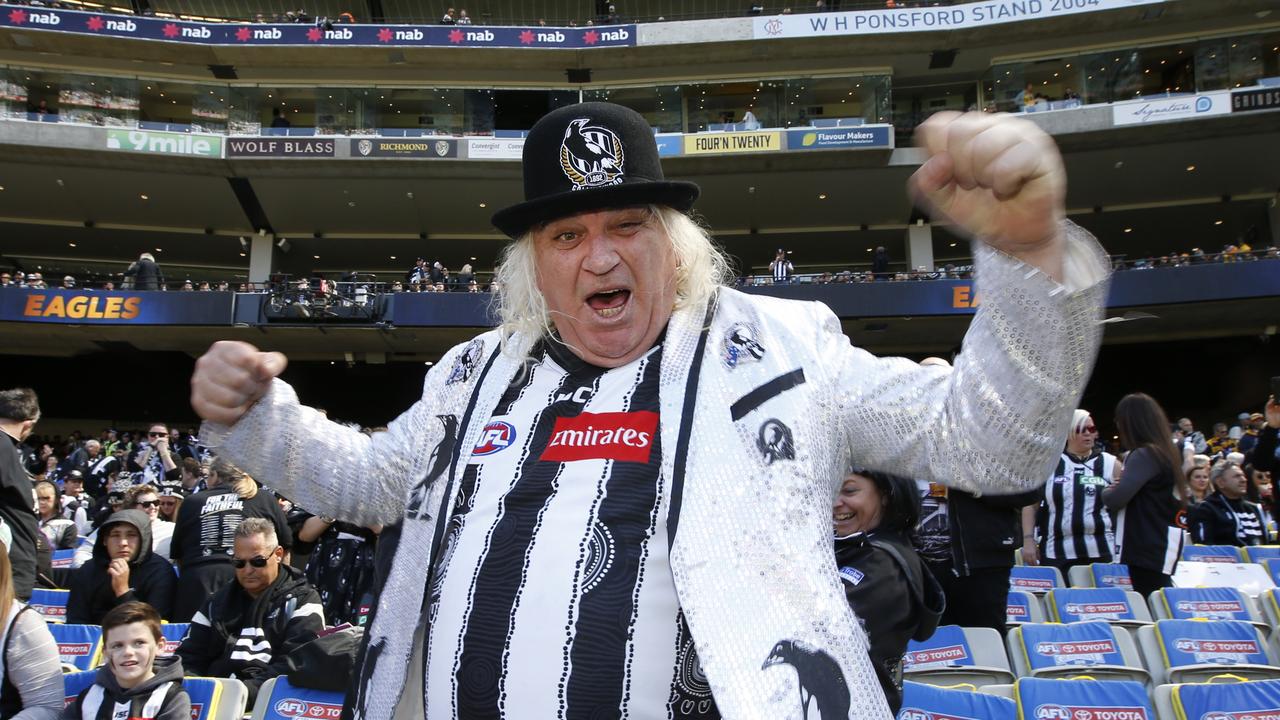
[{"x": 497, "y": 435}]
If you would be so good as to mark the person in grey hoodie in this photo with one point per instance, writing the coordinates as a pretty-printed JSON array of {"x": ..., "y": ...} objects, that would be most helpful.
[
  {"x": 133, "y": 678},
  {"x": 123, "y": 569}
]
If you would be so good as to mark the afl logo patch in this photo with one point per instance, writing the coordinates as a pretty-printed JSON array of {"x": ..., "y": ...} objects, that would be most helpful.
[{"x": 497, "y": 435}]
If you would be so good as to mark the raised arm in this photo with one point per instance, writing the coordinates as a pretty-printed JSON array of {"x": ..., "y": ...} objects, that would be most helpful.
[{"x": 256, "y": 422}]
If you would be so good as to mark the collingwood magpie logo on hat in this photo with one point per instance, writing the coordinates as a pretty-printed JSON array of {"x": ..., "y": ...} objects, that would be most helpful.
[{"x": 591, "y": 155}]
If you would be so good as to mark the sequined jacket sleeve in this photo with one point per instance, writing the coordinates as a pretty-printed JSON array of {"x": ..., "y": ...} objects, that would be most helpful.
[
  {"x": 328, "y": 468},
  {"x": 994, "y": 422}
]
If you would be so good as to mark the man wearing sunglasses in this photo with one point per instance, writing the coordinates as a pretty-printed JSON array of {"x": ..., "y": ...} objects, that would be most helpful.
[
  {"x": 155, "y": 459},
  {"x": 248, "y": 629}
]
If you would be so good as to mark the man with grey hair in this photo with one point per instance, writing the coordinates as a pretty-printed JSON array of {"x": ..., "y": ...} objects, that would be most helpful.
[
  {"x": 248, "y": 629},
  {"x": 618, "y": 503}
]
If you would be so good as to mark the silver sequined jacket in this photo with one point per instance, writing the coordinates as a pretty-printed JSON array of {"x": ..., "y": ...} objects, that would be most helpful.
[{"x": 764, "y": 409}]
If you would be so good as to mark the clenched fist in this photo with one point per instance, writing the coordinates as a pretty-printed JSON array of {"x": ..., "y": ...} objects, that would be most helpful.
[
  {"x": 230, "y": 378},
  {"x": 998, "y": 178}
]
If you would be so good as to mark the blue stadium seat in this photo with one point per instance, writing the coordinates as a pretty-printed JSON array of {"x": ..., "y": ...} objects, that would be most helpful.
[
  {"x": 1258, "y": 553},
  {"x": 1036, "y": 579},
  {"x": 279, "y": 700},
  {"x": 1205, "y": 603},
  {"x": 1112, "y": 605},
  {"x": 1093, "y": 649},
  {"x": 74, "y": 683},
  {"x": 1219, "y": 700},
  {"x": 205, "y": 694},
  {"x": 1273, "y": 569},
  {"x": 927, "y": 702},
  {"x": 1189, "y": 650},
  {"x": 954, "y": 655},
  {"x": 1023, "y": 607},
  {"x": 1270, "y": 602},
  {"x": 173, "y": 634},
  {"x": 78, "y": 645},
  {"x": 1082, "y": 698},
  {"x": 1101, "y": 575},
  {"x": 1212, "y": 553},
  {"x": 51, "y": 604}
]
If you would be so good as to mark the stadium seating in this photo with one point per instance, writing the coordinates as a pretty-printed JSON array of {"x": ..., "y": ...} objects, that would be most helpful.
[
  {"x": 1270, "y": 602},
  {"x": 280, "y": 700},
  {"x": 1227, "y": 701},
  {"x": 51, "y": 604},
  {"x": 1212, "y": 553},
  {"x": 1093, "y": 649},
  {"x": 1205, "y": 603},
  {"x": 1258, "y": 553},
  {"x": 1272, "y": 566},
  {"x": 927, "y": 702},
  {"x": 216, "y": 698},
  {"x": 1023, "y": 606},
  {"x": 74, "y": 683},
  {"x": 1082, "y": 698},
  {"x": 79, "y": 646},
  {"x": 1100, "y": 575},
  {"x": 955, "y": 655},
  {"x": 1189, "y": 650},
  {"x": 173, "y": 635},
  {"x": 1112, "y": 605},
  {"x": 1037, "y": 579}
]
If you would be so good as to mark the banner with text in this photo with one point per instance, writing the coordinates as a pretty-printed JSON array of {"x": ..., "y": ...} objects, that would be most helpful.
[
  {"x": 928, "y": 19},
  {"x": 733, "y": 142},
  {"x": 102, "y": 307},
  {"x": 495, "y": 148},
  {"x": 403, "y": 148},
  {"x": 1255, "y": 99},
  {"x": 1182, "y": 107},
  {"x": 89, "y": 23},
  {"x": 863, "y": 136},
  {"x": 280, "y": 147},
  {"x": 165, "y": 143}
]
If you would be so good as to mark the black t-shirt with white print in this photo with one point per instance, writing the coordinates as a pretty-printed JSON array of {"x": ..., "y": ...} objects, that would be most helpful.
[{"x": 553, "y": 597}]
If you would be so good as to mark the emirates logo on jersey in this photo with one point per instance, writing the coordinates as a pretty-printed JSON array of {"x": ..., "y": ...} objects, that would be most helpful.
[{"x": 619, "y": 436}]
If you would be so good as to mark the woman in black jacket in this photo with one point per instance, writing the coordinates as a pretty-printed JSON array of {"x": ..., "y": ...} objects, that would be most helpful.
[
  {"x": 892, "y": 593},
  {"x": 205, "y": 534},
  {"x": 1150, "y": 499}
]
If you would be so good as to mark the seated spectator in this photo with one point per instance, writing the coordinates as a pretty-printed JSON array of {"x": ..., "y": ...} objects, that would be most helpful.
[
  {"x": 134, "y": 676},
  {"x": 30, "y": 672},
  {"x": 1198, "y": 479},
  {"x": 449, "y": 18},
  {"x": 146, "y": 498},
  {"x": 171, "y": 503},
  {"x": 248, "y": 629},
  {"x": 278, "y": 120},
  {"x": 1259, "y": 490},
  {"x": 1249, "y": 438},
  {"x": 192, "y": 476},
  {"x": 1221, "y": 443},
  {"x": 123, "y": 569},
  {"x": 463, "y": 17},
  {"x": 154, "y": 460},
  {"x": 76, "y": 503},
  {"x": 102, "y": 465},
  {"x": 59, "y": 531},
  {"x": 340, "y": 566},
  {"x": 1227, "y": 517},
  {"x": 888, "y": 587}
]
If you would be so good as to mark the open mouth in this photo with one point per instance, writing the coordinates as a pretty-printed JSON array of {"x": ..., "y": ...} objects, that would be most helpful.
[
  {"x": 609, "y": 303},
  {"x": 841, "y": 517}
]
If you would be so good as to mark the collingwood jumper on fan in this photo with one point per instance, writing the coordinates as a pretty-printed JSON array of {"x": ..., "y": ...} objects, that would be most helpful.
[{"x": 594, "y": 579}]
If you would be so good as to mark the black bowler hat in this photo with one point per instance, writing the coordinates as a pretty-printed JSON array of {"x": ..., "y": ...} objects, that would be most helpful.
[{"x": 590, "y": 156}]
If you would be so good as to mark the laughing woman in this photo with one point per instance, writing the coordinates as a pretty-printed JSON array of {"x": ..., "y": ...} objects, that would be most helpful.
[{"x": 875, "y": 515}]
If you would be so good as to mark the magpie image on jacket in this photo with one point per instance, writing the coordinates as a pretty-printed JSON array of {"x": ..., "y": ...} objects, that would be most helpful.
[
  {"x": 818, "y": 675},
  {"x": 123, "y": 569}
]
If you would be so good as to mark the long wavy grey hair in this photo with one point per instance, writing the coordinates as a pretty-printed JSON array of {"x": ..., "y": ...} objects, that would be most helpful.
[{"x": 523, "y": 315}]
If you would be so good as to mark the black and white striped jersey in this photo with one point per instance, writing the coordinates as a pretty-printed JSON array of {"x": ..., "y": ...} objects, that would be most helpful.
[
  {"x": 1074, "y": 523},
  {"x": 553, "y": 595}
]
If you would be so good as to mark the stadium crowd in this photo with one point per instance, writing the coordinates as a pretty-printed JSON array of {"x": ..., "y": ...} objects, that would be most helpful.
[{"x": 124, "y": 511}]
